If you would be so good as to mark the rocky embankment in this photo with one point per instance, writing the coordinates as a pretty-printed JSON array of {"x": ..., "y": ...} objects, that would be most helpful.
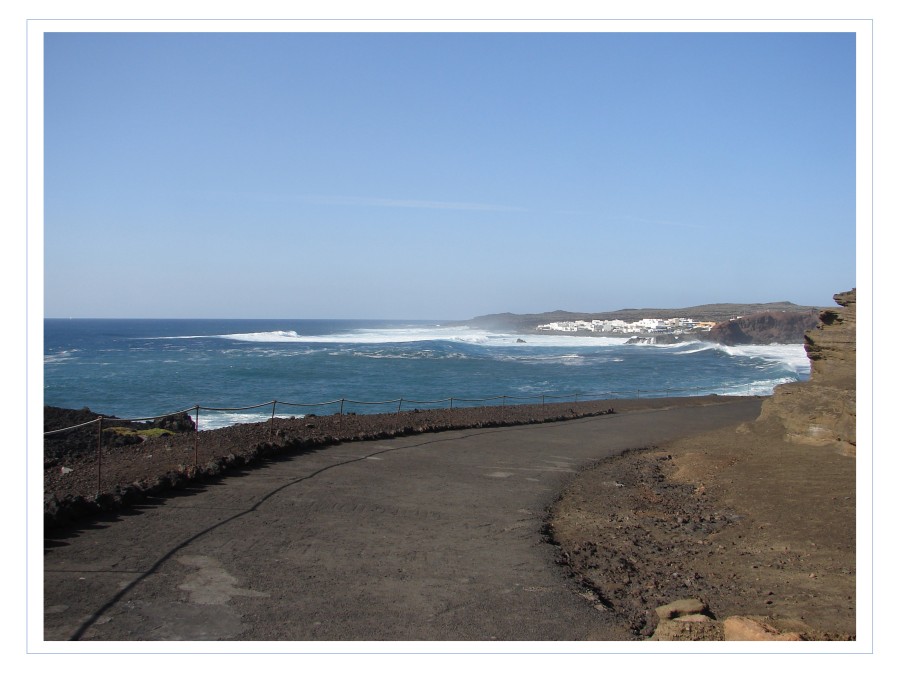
[
  {"x": 79, "y": 481},
  {"x": 116, "y": 433},
  {"x": 747, "y": 533}
]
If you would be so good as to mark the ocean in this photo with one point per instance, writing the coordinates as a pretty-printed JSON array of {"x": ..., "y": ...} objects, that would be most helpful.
[{"x": 142, "y": 368}]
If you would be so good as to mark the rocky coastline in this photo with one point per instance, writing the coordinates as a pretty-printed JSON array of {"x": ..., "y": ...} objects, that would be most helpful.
[
  {"x": 764, "y": 328},
  {"x": 526, "y": 323},
  {"x": 768, "y": 327},
  {"x": 742, "y": 534}
]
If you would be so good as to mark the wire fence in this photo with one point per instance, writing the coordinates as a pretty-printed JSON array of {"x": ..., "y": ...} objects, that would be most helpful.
[{"x": 343, "y": 405}]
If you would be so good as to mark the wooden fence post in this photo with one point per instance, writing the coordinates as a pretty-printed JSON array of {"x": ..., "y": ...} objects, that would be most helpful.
[
  {"x": 197, "y": 436},
  {"x": 99, "y": 449}
]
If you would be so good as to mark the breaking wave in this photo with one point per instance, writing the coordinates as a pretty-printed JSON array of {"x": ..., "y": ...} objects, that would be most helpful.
[{"x": 463, "y": 335}]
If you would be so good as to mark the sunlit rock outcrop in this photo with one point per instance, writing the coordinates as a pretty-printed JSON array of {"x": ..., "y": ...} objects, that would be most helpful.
[{"x": 822, "y": 411}]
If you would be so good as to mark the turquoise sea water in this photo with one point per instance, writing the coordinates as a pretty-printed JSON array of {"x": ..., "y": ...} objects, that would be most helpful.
[{"x": 138, "y": 368}]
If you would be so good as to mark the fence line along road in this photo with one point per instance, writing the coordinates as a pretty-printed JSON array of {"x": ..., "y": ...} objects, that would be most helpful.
[{"x": 197, "y": 408}]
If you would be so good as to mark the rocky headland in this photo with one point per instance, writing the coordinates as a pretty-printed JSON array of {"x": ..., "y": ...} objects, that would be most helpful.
[
  {"x": 767, "y": 327},
  {"x": 527, "y": 323}
]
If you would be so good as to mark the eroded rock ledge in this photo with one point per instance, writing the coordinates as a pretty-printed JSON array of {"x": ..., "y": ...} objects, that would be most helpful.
[{"x": 822, "y": 411}]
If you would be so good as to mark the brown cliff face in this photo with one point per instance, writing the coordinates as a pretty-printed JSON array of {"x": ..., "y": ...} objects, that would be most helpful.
[
  {"x": 831, "y": 347},
  {"x": 822, "y": 411},
  {"x": 768, "y": 327}
]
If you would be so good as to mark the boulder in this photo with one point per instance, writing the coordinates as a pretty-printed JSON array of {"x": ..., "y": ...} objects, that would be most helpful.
[
  {"x": 681, "y": 608},
  {"x": 181, "y": 422}
]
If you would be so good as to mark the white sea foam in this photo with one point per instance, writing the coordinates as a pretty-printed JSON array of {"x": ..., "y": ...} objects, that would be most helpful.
[
  {"x": 412, "y": 334},
  {"x": 58, "y": 358},
  {"x": 791, "y": 355},
  {"x": 539, "y": 387},
  {"x": 761, "y": 387},
  {"x": 464, "y": 335},
  {"x": 212, "y": 420},
  {"x": 562, "y": 359},
  {"x": 425, "y": 354},
  {"x": 278, "y": 336},
  {"x": 690, "y": 347},
  {"x": 283, "y": 353},
  {"x": 559, "y": 341}
]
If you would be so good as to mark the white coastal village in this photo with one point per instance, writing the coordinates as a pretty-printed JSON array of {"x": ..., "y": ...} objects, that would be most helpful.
[{"x": 643, "y": 326}]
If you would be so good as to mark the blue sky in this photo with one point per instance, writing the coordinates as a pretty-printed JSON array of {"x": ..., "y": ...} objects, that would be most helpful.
[{"x": 444, "y": 175}]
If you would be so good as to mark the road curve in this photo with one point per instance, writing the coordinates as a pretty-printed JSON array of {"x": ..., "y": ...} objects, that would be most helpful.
[{"x": 422, "y": 538}]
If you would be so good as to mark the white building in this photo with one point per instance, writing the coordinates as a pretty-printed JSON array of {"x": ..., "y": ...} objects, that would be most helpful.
[{"x": 643, "y": 326}]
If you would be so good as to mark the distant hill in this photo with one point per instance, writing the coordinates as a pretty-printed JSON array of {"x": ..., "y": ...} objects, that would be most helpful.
[{"x": 527, "y": 322}]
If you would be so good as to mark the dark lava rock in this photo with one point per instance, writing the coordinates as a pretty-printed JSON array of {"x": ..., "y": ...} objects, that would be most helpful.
[{"x": 764, "y": 328}]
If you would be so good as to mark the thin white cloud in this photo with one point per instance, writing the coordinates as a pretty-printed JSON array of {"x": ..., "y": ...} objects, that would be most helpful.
[{"x": 407, "y": 203}]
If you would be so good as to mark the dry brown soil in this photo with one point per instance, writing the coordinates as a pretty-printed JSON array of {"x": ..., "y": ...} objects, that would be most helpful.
[{"x": 740, "y": 519}]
